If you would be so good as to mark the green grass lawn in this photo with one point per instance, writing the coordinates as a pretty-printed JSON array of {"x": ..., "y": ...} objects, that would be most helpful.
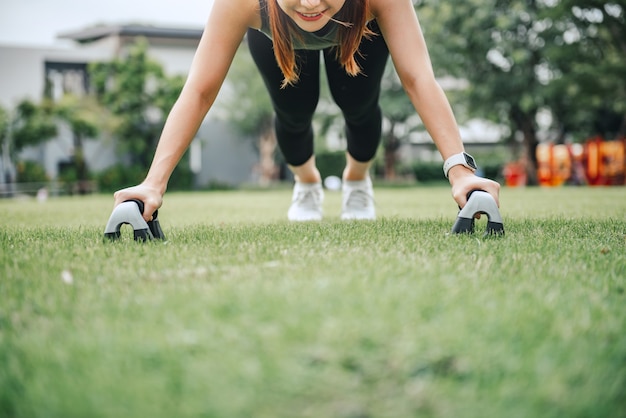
[{"x": 242, "y": 314}]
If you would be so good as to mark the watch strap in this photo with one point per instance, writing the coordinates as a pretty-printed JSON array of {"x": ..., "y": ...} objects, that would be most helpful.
[{"x": 458, "y": 159}]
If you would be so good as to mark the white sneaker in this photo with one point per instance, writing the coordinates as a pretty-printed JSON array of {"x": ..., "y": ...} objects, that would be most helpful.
[
  {"x": 306, "y": 203},
  {"x": 358, "y": 200}
]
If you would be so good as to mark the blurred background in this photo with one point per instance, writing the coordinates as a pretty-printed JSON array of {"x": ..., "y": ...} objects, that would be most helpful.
[{"x": 538, "y": 88}]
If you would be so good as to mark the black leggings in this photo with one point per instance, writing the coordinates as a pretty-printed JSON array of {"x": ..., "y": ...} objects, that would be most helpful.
[{"x": 357, "y": 97}]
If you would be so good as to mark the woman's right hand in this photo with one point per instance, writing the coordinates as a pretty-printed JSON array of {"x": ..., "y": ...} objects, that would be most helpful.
[{"x": 152, "y": 199}]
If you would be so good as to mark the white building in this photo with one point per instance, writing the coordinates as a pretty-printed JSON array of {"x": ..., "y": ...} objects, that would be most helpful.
[{"x": 26, "y": 71}]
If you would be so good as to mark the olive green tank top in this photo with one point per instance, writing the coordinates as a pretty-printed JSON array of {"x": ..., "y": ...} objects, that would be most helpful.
[{"x": 321, "y": 39}]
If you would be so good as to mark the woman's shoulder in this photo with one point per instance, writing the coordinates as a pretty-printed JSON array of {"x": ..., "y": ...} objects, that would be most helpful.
[
  {"x": 249, "y": 8},
  {"x": 378, "y": 3},
  {"x": 378, "y": 6}
]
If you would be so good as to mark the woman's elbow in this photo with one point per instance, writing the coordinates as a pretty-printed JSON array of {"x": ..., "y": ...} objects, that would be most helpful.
[
  {"x": 203, "y": 95},
  {"x": 419, "y": 85}
]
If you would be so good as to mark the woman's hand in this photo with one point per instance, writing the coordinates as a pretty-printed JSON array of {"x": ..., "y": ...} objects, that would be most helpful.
[
  {"x": 152, "y": 199},
  {"x": 464, "y": 181}
]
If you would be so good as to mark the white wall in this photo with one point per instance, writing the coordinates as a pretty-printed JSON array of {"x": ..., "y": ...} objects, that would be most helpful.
[
  {"x": 226, "y": 158},
  {"x": 22, "y": 69},
  {"x": 21, "y": 75}
]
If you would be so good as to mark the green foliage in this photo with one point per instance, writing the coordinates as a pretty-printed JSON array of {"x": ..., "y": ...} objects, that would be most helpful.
[
  {"x": 182, "y": 177},
  {"x": 68, "y": 173},
  {"x": 119, "y": 176},
  {"x": 136, "y": 91},
  {"x": 491, "y": 161},
  {"x": 83, "y": 115},
  {"x": 425, "y": 172},
  {"x": 86, "y": 119},
  {"x": 330, "y": 163},
  {"x": 30, "y": 172},
  {"x": 4, "y": 123},
  {"x": 242, "y": 314},
  {"x": 29, "y": 124},
  {"x": 521, "y": 56},
  {"x": 493, "y": 171},
  {"x": 587, "y": 57},
  {"x": 492, "y": 45},
  {"x": 33, "y": 124}
]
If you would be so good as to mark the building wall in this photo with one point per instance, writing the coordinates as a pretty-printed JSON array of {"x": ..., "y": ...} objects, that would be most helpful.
[
  {"x": 225, "y": 157},
  {"x": 174, "y": 55},
  {"x": 21, "y": 74},
  {"x": 25, "y": 79}
]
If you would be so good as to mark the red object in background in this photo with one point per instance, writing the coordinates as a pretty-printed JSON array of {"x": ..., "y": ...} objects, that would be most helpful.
[{"x": 515, "y": 174}]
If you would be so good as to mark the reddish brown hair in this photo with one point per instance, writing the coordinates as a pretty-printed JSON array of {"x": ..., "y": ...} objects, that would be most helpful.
[{"x": 353, "y": 12}]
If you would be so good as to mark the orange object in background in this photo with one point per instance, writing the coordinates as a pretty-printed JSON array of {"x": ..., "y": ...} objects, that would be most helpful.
[
  {"x": 597, "y": 163},
  {"x": 544, "y": 164},
  {"x": 605, "y": 163},
  {"x": 554, "y": 165}
]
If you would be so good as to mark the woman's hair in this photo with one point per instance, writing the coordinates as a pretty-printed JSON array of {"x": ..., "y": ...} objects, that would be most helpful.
[{"x": 354, "y": 13}]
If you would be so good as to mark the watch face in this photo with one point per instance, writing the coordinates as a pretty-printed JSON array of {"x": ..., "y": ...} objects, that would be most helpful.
[{"x": 470, "y": 160}]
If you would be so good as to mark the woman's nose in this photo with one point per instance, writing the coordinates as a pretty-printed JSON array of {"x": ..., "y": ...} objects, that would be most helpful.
[{"x": 310, "y": 3}]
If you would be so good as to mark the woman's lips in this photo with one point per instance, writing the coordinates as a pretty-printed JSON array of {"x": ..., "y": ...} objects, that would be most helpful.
[{"x": 311, "y": 17}]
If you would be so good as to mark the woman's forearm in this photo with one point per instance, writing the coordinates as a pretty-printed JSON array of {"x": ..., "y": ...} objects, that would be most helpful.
[
  {"x": 436, "y": 113},
  {"x": 180, "y": 128}
]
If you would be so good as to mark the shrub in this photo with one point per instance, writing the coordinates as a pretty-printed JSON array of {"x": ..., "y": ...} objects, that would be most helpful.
[
  {"x": 428, "y": 172},
  {"x": 119, "y": 176},
  {"x": 492, "y": 171},
  {"x": 31, "y": 172},
  {"x": 181, "y": 179},
  {"x": 331, "y": 163}
]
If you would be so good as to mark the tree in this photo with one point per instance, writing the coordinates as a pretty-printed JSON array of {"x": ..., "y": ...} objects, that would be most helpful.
[
  {"x": 587, "y": 57},
  {"x": 4, "y": 123},
  {"x": 496, "y": 46},
  {"x": 524, "y": 56},
  {"x": 135, "y": 89},
  {"x": 86, "y": 118},
  {"x": 30, "y": 124},
  {"x": 4, "y": 139}
]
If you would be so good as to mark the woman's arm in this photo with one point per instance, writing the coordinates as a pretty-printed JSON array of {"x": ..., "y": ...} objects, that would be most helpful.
[
  {"x": 401, "y": 30},
  {"x": 223, "y": 33}
]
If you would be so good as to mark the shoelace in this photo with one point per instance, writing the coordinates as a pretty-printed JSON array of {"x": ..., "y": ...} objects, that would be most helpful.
[
  {"x": 358, "y": 199},
  {"x": 308, "y": 199}
]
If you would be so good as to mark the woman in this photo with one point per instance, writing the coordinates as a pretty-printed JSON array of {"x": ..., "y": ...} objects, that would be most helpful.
[{"x": 285, "y": 39}]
